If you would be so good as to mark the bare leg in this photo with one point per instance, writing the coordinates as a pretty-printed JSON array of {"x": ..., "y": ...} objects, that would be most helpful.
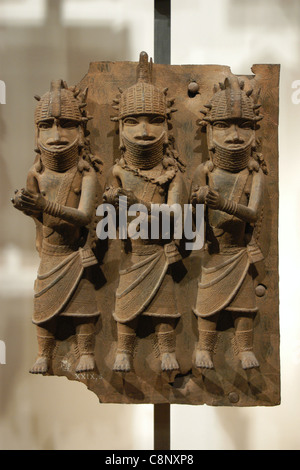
[
  {"x": 244, "y": 340},
  {"x": 167, "y": 343},
  {"x": 85, "y": 333},
  {"x": 207, "y": 340},
  {"x": 46, "y": 344},
  {"x": 126, "y": 342}
]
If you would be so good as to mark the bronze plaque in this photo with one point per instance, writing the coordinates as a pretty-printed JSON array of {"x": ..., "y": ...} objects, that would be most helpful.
[{"x": 151, "y": 320}]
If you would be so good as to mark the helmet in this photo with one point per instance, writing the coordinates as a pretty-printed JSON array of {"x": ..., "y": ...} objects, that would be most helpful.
[
  {"x": 143, "y": 97},
  {"x": 230, "y": 101},
  {"x": 61, "y": 102}
]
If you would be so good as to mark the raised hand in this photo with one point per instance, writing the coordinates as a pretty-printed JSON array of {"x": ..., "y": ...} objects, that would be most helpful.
[
  {"x": 213, "y": 199},
  {"x": 25, "y": 200},
  {"x": 199, "y": 194}
]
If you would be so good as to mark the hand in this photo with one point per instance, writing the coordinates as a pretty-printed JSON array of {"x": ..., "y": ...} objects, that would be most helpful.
[
  {"x": 199, "y": 194},
  {"x": 25, "y": 200},
  {"x": 131, "y": 197},
  {"x": 213, "y": 199},
  {"x": 16, "y": 200}
]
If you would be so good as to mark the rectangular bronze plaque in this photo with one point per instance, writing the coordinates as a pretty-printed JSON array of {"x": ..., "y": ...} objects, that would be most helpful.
[{"x": 179, "y": 325}]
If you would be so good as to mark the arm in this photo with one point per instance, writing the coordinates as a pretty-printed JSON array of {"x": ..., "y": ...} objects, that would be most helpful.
[
  {"x": 175, "y": 190},
  {"x": 199, "y": 187},
  {"x": 248, "y": 213},
  {"x": 112, "y": 185},
  {"x": 33, "y": 187},
  {"x": 81, "y": 216}
]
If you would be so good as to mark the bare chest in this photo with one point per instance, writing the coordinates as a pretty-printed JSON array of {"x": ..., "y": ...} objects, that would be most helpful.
[
  {"x": 61, "y": 187},
  {"x": 143, "y": 185}
]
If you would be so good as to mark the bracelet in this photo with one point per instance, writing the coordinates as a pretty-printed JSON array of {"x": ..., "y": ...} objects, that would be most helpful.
[
  {"x": 53, "y": 208},
  {"x": 229, "y": 206}
]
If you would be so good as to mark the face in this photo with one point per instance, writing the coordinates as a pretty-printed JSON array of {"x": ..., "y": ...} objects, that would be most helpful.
[
  {"x": 56, "y": 135},
  {"x": 143, "y": 129},
  {"x": 233, "y": 134}
]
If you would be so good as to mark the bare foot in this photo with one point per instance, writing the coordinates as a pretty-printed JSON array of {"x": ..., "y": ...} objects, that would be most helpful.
[
  {"x": 40, "y": 366},
  {"x": 122, "y": 362},
  {"x": 86, "y": 362},
  {"x": 204, "y": 359},
  {"x": 248, "y": 360},
  {"x": 169, "y": 361}
]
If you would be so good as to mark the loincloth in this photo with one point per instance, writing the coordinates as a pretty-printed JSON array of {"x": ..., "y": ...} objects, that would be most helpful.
[
  {"x": 63, "y": 286},
  {"x": 146, "y": 286},
  {"x": 227, "y": 283}
]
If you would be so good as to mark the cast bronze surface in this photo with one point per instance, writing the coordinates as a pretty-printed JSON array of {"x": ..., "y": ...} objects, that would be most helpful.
[{"x": 228, "y": 382}]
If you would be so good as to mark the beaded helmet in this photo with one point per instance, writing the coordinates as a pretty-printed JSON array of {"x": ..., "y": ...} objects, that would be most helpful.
[
  {"x": 231, "y": 101},
  {"x": 143, "y": 97},
  {"x": 66, "y": 103},
  {"x": 62, "y": 102}
]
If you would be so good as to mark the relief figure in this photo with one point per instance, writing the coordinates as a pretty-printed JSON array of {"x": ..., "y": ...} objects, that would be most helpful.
[
  {"x": 60, "y": 196},
  {"x": 148, "y": 172},
  {"x": 231, "y": 185}
]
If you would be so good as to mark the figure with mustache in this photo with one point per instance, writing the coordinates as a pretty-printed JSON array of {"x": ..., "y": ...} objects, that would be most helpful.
[
  {"x": 231, "y": 185},
  {"x": 149, "y": 171},
  {"x": 60, "y": 196}
]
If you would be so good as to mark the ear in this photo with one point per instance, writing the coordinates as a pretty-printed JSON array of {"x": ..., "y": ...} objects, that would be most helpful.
[
  {"x": 253, "y": 143},
  {"x": 36, "y": 138},
  {"x": 81, "y": 136},
  {"x": 122, "y": 146},
  {"x": 166, "y": 141},
  {"x": 210, "y": 144}
]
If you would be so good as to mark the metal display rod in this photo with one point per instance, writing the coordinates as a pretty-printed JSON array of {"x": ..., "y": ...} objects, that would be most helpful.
[
  {"x": 162, "y": 55},
  {"x": 162, "y": 31}
]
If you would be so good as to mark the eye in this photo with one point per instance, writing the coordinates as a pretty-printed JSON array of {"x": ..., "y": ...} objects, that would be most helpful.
[
  {"x": 220, "y": 124},
  {"x": 45, "y": 125},
  {"x": 68, "y": 124},
  {"x": 246, "y": 125},
  {"x": 157, "y": 120},
  {"x": 130, "y": 121}
]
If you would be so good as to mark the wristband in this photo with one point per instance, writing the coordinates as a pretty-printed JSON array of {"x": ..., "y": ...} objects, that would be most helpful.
[{"x": 53, "y": 208}]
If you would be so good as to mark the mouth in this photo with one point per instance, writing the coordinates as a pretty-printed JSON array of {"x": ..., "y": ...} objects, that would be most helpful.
[
  {"x": 235, "y": 146},
  {"x": 58, "y": 146},
  {"x": 147, "y": 138}
]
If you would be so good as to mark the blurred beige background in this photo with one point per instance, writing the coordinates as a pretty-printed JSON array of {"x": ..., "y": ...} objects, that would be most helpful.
[{"x": 45, "y": 39}]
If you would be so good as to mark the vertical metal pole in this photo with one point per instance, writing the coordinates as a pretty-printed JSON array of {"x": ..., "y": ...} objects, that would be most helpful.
[
  {"x": 162, "y": 55},
  {"x": 162, "y": 31},
  {"x": 162, "y": 434}
]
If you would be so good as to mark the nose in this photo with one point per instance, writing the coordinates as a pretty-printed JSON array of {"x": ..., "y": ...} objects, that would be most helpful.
[
  {"x": 234, "y": 135},
  {"x": 56, "y": 132},
  {"x": 55, "y": 135},
  {"x": 145, "y": 130}
]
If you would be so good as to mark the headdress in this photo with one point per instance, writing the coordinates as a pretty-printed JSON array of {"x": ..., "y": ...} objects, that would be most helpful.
[
  {"x": 143, "y": 97},
  {"x": 231, "y": 101},
  {"x": 62, "y": 102}
]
